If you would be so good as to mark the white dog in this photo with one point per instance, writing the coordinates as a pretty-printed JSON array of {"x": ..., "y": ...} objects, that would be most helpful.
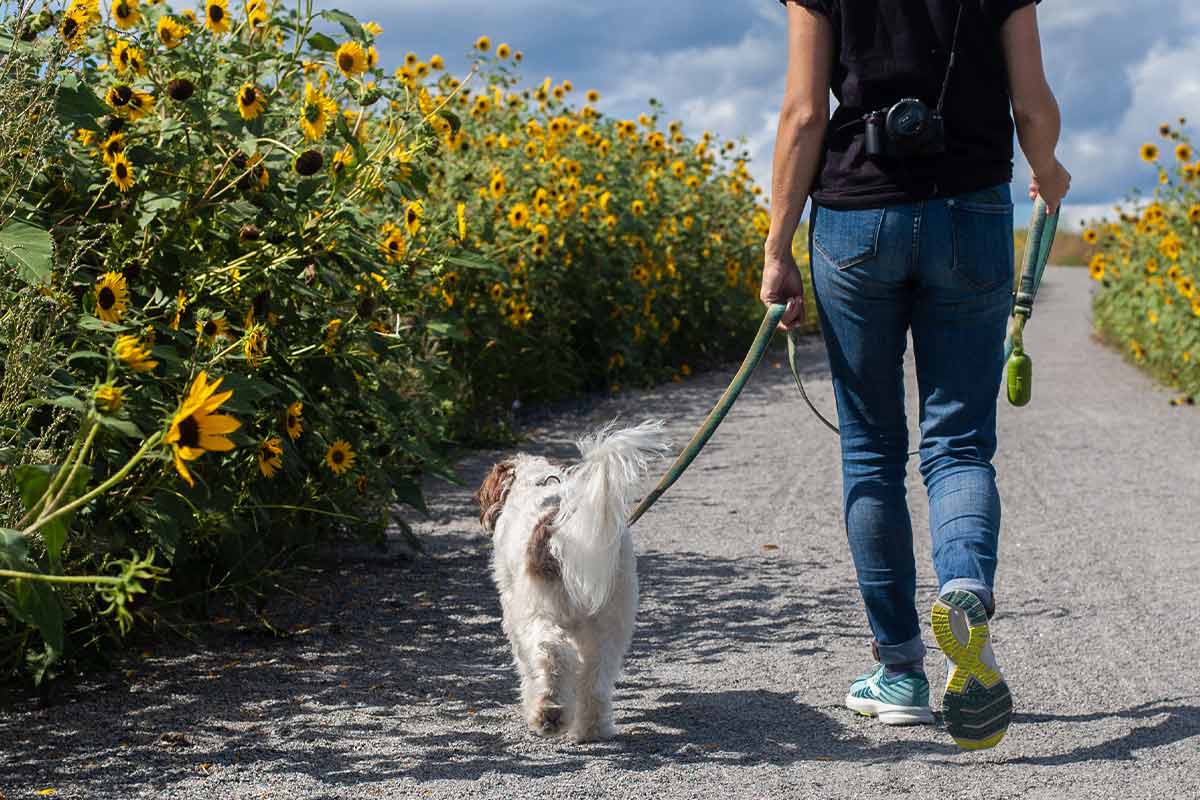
[{"x": 564, "y": 565}]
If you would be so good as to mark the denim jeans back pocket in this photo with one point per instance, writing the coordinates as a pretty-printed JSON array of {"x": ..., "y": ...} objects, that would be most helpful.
[
  {"x": 847, "y": 237},
  {"x": 981, "y": 224}
]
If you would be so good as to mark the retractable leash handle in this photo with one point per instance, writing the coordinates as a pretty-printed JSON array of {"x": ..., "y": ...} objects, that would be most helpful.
[
  {"x": 1019, "y": 366},
  {"x": 757, "y": 350}
]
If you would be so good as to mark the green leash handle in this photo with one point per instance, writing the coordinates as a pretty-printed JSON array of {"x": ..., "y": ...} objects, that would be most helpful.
[
  {"x": 717, "y": 415},
  {"x": 1018, "y": 364}
]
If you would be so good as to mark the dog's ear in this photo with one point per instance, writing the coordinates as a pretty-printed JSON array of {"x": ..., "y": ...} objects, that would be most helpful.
[{"x": 493, "y": 492}]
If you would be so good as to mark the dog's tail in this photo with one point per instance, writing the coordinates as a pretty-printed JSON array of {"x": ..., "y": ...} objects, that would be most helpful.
[{"x": 596, "y": 500}]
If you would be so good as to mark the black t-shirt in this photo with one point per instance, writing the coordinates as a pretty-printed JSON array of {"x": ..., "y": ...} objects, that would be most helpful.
[{"x": 885, "y": 50}]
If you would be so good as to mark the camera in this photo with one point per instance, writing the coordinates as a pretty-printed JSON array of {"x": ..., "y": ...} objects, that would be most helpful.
[{"x": 909, "y": 129}]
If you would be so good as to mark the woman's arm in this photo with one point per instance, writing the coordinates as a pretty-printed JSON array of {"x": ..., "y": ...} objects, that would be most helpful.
[
  {"x": 802, "y": 121},
  {"x": 1035, "y": 110},
  {"x": 798, "y": 144}
]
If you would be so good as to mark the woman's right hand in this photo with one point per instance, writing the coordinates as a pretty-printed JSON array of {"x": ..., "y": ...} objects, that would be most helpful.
[{"x": 1052, "y": 187}]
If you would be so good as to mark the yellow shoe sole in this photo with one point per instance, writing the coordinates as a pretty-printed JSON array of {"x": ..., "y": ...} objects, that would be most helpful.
[{"x": 977, "y": 705}]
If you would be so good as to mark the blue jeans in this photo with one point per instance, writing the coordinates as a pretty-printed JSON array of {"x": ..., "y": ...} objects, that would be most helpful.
[{"x": 943, "y": 268}]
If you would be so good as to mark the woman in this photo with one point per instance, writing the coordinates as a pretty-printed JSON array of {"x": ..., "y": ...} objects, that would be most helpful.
[{"x": 911, "y": 228}]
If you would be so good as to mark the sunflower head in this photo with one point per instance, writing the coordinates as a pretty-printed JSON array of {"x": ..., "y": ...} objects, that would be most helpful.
[
  {"x": 112, "y": 297},
  {"x": 170, "y": 32},
  {"x": 340, "y": 457},
  {"x": 350, "y": 59},
  {"x": 270, "y": 456},
  {"x": 131, "y": 352},
  {"x": 108, "y": 398},
  {"x": 294, "y": 420},
  {"x": 1149, "y": 152},
  {"x": 216, "y": 16},
  {"x": 125, "y": 13},
  {"x": 250, "y": 101},
  {"x": 197, "y": 428},
  {"x": 122, "y": 172}
]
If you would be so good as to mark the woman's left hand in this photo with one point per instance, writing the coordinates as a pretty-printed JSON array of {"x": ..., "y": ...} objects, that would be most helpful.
[{"x": 782, "y": 283}]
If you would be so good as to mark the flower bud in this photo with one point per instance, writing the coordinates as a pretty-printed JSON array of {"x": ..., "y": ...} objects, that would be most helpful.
[{"x": 309, "y": 162}]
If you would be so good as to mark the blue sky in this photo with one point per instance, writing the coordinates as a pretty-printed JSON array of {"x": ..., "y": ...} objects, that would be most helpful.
[{"x": 1118, "y": 68}]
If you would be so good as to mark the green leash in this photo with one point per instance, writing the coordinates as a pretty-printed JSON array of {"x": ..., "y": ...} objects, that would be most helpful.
[{"x": 1037, "y": 253}]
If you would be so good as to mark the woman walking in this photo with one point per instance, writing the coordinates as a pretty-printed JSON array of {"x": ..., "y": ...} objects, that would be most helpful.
[{"x": 911, "y": 229}]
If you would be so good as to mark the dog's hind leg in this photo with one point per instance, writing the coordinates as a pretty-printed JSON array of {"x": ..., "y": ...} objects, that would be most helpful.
[
  {"x": 545, "y": 699},
  {"x": 602, "y": 646}
]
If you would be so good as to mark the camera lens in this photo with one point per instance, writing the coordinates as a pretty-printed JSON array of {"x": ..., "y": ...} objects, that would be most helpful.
[{"x": 907, "y": 119}]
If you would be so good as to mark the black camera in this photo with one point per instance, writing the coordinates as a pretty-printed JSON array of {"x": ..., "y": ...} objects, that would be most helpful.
[{"x": 909, "y": 129}]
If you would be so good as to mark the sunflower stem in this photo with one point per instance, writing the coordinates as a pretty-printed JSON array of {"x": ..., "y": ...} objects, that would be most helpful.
[
  {"x": 101, "y": 489},
  {"x": 83, "y": 451},
  {"x": 53, "y": 485},
  {"x": 37, "y": 576}
]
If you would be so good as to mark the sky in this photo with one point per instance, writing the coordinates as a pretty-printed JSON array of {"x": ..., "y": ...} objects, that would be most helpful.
[{"x": 1118, "y": 68}]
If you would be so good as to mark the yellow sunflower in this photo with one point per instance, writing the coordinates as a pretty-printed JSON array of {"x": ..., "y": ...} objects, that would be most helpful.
[
  {"x": 412, "y": 217},
  {"x": 216, "y": 16},
  {"x": 170, "y": 32},
  {"x": 112, "y": 147},
  {"x": 394, "y": 245},
  {"x": 108, "y": 398},
  {"x": 460, "y": 212},
  {"x": 196, "y": 428},
  {"x": 250, "y": 101},
  {"x": 122, "y": 172},
  {"x": 270, "y": 456},
  {"x": 125, "y": 13},
  {"x": 340, "y": 457},
  {"x": 483, "y": 44},
  {"x": 118, "y": 96},
  {"x": 315, "y": 113},
  {"x": 130, "y": 351},
  {"x": 74, "y": 27},
  {"x": 256, "y": 14},
  {"x": 1149, "y": 152},
  {"x": 518, "y": 216},
  {"x": 294, "y": 420},
  {"x": 1096, "y": 268},
  {"x": 1183, "y": 151},
  {"x": 140, "y": 104},
  {"x": 497, "y": 185},
  {"x": 212, "y": 329},
  {"x": 1091, "y": 236},
  {"x": 351, "y": 59},
  {"x": 181, "y": 301},
  {"x": 255, "y": 346},
  {"x": 112, "y": 297},
  {"x": 1193, "y": 214}
]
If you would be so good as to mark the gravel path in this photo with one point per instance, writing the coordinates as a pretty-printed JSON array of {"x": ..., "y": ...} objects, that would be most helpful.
[{"x": 396, "y": 681}]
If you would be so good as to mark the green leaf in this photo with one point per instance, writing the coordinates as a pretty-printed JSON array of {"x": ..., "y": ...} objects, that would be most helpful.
[
  {"x": 90, "y": 323},
  {"x": 29, "y": 249},
  {"x": 121, "y": 426},
  {"x": 68, "y": 401},
  {"x": 452, "y": 118},
  {"x": 471, "y": 261},
  {"x": 36, "y": 604},
  {"x": 14, "y": 549},
  {"x": 86, "y": 355},
  {"x": 319, "y": 41},
  {"x": 352, "y": 26},
  {"x": 77, "y": 104},
  {"x": 446, "y": 330},
  {"x": 409, "y": 493}
]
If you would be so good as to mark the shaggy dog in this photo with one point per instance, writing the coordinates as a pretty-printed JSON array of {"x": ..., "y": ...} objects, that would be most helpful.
[{"x": 564, "y": 566}]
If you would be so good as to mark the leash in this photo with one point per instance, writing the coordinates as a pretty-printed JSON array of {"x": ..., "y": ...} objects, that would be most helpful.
[{"x": 1037, "y": 253}]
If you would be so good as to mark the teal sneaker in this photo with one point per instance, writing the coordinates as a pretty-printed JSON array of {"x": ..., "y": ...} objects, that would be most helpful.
[
  {"x": 977, "y": 705},
  {"x": 900, "y": 700}
]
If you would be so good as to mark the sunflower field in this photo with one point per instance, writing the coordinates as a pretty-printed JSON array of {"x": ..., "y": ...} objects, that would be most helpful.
[
  {"x": 1148, "y": 264},
  {"x": 255, "y": 286}
]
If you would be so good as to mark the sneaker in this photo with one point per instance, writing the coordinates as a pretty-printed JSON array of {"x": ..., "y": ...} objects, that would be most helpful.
[
  {"x": 977, "y": 705},
  {"x": 899, "y": 700}
]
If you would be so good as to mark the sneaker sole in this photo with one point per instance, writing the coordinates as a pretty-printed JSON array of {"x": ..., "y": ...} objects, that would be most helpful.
[
  {"x": 977, "y": 705},
  {"x": 890, "y": 714}
]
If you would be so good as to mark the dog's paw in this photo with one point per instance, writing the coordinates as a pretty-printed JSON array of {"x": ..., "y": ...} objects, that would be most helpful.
[
  {"x": 594, "y": 733},
  {"x": 547, "y": 719}
]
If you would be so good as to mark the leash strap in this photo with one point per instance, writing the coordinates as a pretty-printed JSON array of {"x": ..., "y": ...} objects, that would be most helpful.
[
  {"x": 1042, "y": 228},
  {"x": 717, "y": 415}
]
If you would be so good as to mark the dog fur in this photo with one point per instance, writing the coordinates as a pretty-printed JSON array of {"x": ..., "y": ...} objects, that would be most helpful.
[{"x": 563, "y": 563}]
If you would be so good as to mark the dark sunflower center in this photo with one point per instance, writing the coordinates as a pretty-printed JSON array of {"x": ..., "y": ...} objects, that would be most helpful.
[
  {"x": 114, "y": 148},
  {"x": 412, "y": 217},
  {"x": 393, "y": 245},
  {"x": 210, "y": 328},
  {"x": 122, "y": 11},
  {"x": 70, "y": 27},
  {"x": 122, "y": 94},
  {"x": 189, "y": 432},
  {"x": 121, "y": 171},
  {"x": 337, "y": 456},
  {"x": 346, "y": 61},
  {"x": 249, "y": 95},
  {"x": 312, "y": 112},
  {"x": 216, "y": 13},
  {"x": 292, "y": 422},
  {"x": 106, "y": 299}
]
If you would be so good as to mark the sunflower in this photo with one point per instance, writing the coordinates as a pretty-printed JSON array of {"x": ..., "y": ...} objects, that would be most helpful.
[
  {"x": 1096, "y": 268},
  {"x": 181, "y": 301},
  {"x": 372, "y": 60},
  {"x": 1091, "y": 236},
  {"x": 373, "y": 28},
  {"x": 250, "y": 101},
  {"x": 196, "y": 428},
  {"x": 315, "y": 113},
  {"x": 518, "y": 216},
  {"x": 108, "y": 398},
  {"x": 133, "y": 354},
  {"x": 74, "y": 27},
  {"x": 1193, "y": 214},
  {"x": 460, "y": 212},
  {"x": 293, "y": 420},
  {"x": 340, "y": 457},
  {"x": 497, "y": 186},
  {"x": 437, "y": 62},
  {"x": 270, "y": 456},
  {"x": 351, "y": 59},
  {"x": 256, "y": 14},
  {"x": 483, "y": 44},
  {"x": 394, "y": 245},
  {"x": 112, "y": 297},
  {"x": 216, "y": 16},
  {"x": 212, "y": 329},
  {"x": 112, "y": 147},
  {"x": 170, "y": 32},
  {"x": 342, "y": 160},
  {"x": 118, "y": 96},
  {"x": 255, "y": 346},
  {"x": 137, "y": 104},
  {"x": 503, "y": 50},
  {"x": 1183, "y": 151},
  {"x": 1149, "y": 152},
  {"x": 122, "y": 172},
  {"x": 412, "y": 217},
  {"x": 125, "y": 13}
]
